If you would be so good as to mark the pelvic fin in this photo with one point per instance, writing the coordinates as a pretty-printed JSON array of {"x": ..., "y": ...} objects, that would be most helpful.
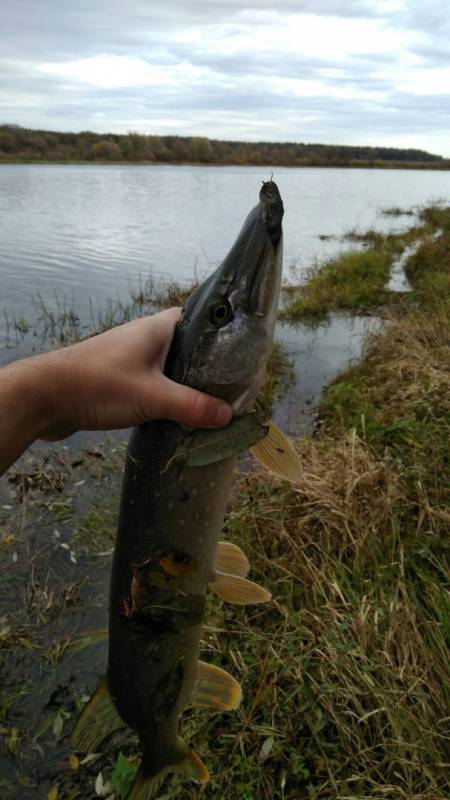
[
  {"x": 240, "y": 591},
  {"x": 215, "y": 689},
  {"x": 231, "y": 559}
]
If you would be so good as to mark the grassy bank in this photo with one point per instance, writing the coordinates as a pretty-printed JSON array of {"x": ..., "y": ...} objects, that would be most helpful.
[
  {"x": 346, "y": 675},
  {"x": 357, "y": 280}
]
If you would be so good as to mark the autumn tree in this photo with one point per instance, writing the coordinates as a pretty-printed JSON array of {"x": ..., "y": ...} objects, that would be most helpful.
[{"x": 105, "y": 151}]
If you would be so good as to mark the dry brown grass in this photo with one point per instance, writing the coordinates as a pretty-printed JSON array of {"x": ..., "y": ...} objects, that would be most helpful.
[{"x": 345, "y": 675}]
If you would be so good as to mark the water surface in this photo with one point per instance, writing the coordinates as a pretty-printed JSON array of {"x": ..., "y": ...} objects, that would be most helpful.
[{"x": 87, "y": 231}]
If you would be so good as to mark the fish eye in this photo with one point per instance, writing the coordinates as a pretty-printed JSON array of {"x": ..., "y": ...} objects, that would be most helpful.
[{"x": 220, "y": 313}]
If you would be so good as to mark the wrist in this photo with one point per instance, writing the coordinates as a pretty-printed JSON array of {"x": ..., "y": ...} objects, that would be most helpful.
[
  {"x": 28, "y": 396},
  {"x": 53, "y": 394},
  {"x": 20, "y": 411},
  {"x": 36, "y": 385}
]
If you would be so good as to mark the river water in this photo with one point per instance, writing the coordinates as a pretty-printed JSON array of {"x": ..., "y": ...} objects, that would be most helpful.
[{"x": 87, "y": 232}]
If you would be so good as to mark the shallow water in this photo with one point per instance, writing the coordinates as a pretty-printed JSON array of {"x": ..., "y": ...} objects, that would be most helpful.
[
  {"x": 318, "y": 355},
  {"x": 398, "y": 281}
]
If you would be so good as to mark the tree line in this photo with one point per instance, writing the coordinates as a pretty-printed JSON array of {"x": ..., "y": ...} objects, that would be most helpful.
[{"x": 23, "y": 144}]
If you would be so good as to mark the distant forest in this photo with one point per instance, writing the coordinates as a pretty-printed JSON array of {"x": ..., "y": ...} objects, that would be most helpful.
[{"x": 24, "y": 145}]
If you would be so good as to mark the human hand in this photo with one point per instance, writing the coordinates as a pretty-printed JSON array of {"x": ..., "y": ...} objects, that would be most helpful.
[
  {"x": 113, "y": 380},
  {"x": 116, "y": 380}
]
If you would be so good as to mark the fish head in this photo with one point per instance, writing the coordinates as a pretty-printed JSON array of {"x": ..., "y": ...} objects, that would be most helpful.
[{"x": 224, "y": 339}]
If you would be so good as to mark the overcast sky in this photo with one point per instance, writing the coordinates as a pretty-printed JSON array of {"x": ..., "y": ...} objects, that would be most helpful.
[{"x": 374, "y": 72}]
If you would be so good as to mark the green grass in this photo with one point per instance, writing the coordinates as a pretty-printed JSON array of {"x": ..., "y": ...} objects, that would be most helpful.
[
  {"x": 351, "y": 281},
  {"x": 356, "y": 281},
  {"x": 428, "y": 269}
]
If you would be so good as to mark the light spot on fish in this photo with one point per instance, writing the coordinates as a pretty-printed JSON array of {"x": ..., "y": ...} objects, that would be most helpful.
[
  {"x": 196, "y": 516},
  {"x": 170, "y": 505},
  {"x": 212, "y": 484},
  {"x": 182, "y": 523},
  {"x": 207, "y": 509},
  {"x": 194, "y": 492}
]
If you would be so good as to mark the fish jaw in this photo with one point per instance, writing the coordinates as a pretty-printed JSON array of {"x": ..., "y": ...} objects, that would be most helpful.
[{"x": 226, "y": 355}]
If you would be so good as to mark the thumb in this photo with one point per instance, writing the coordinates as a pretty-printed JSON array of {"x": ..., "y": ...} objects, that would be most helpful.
[{"x": 191, "y": 407}]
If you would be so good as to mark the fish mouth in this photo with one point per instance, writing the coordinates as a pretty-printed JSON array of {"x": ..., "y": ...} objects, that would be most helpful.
[
  {"x": 251, "y": 273},
  {"x": 272, "y": 210},
  {"x": 223, "y": 339},
  {"x": 261, "y": 279}
]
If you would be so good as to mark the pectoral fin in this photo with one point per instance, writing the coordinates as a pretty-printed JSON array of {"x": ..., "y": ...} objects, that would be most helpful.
[
  {"x": 98, "y": 720},
  {"x": 208, "y": 446},
  {"x": 230, "y": 558},
  {"x": 276, "y": 453},
  {"x": 215, "y": 689},
  {"x": 240, "y": 591}
]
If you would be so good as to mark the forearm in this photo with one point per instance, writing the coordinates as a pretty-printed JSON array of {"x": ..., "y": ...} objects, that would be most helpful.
[{"x": 22, "y": 409}]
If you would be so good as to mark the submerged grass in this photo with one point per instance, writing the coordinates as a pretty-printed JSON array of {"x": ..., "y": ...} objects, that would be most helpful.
[
  {"x": 59, "y": 321},
  {"x": 428, "y": 269}
]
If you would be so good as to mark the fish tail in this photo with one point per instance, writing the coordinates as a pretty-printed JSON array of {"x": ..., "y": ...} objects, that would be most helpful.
[{"x": 146, "y": 787}]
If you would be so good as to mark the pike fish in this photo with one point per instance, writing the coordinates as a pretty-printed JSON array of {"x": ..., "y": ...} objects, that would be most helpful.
[{"x": 175, "y": 491}]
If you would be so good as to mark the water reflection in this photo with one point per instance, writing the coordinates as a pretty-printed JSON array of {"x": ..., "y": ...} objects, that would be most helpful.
[{"x": 318, "y": 355}]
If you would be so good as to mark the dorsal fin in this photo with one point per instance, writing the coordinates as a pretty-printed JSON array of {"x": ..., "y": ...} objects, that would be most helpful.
[{"x": 193, "y": 767}]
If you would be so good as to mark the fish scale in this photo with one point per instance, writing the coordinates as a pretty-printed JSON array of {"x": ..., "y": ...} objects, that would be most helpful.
[{"x": 162, "y": 518}]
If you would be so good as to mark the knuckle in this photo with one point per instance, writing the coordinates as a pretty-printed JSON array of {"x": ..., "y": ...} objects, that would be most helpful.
[{"x": 202, "y": 406}]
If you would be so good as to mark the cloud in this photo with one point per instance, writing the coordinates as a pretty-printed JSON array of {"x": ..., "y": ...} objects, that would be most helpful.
[
  {"x": 342, "y": 71},
  {"x": 115, "y": 72}
]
